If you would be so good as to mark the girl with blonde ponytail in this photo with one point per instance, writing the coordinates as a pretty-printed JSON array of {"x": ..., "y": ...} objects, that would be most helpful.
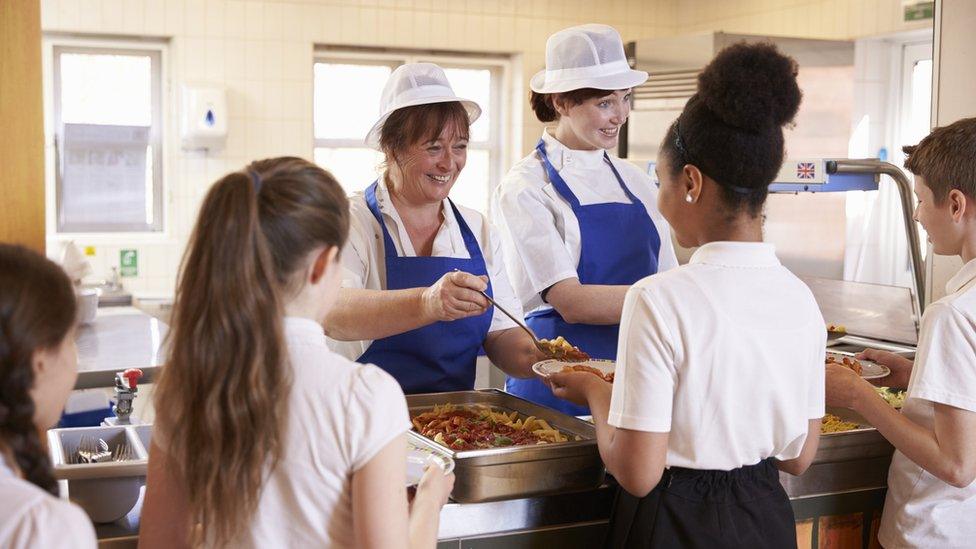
[{"x": 263, "y": 436}]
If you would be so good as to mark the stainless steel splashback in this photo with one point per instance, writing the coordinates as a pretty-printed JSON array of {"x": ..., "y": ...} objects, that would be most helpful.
[{"x": 674, "y": 63}]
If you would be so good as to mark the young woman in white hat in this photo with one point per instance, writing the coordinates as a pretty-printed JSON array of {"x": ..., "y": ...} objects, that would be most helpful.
[
  {"x": 579, "y": 224},
  {"x": 416, "y": 263},
  {"x": 720, "y": 378}
]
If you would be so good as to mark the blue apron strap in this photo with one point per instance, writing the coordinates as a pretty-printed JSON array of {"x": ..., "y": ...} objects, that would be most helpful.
[
  {"x": 620, "y": 180},
  {"x": 470, "y": 242},
  {"x": 557, "y": 181},
  {"x": 388, "y": 247}
]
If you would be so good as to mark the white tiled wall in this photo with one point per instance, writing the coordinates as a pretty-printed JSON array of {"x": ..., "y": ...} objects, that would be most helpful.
[
  {"x": 262, "y": 51},
  {"x": 828, "y": 19}
]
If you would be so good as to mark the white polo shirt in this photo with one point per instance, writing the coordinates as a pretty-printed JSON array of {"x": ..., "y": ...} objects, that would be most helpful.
[
  {"x": 340, "y": 415},
  {"x": 726, "y": 353},
  {"x": 31, "y": 517},
  {"x": 542, "y": 235},
  {"x": 921, "y": 510},
  {"x": 364, "y": 259}
]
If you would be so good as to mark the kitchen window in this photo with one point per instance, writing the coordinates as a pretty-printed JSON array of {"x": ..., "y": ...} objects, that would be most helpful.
[
  {"x": 107, "y": 107},
  {"x": 347, "y": 88}
]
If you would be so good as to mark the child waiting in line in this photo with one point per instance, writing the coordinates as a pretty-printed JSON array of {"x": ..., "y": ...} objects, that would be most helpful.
[
  {"x": 931, "y": 498},
  {"x": 38, "y": 368},
  {"x": 263, "y": 436}
]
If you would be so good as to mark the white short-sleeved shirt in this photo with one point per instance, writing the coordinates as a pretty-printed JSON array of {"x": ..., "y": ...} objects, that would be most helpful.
[
  {"x": 540, "y": 232},
  {"x": 921, "y": 510},
  {"x": 31, "y": 517},
  {"x": 364, "y": 259},
  {"x": 726, "y": 353},
  {"x": 340, "y": 415}
]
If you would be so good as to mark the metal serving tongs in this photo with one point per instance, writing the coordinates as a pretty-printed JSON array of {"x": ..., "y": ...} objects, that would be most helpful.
[{"x": 535, "y": 339}]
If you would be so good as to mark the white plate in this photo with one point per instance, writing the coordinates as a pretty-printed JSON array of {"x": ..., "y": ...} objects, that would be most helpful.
[
  {"x": 869, "y": 370},
  {"x": 546, "y": 368},
  {"x": 418, "y": 458}
]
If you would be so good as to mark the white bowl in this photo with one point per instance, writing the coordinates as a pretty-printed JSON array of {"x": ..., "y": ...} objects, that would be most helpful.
[{"x": 87, "y": 305}]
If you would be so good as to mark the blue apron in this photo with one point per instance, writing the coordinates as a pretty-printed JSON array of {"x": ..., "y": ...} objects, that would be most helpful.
[
  {"x": 440, "y": 356},
  {"x": 619, "y": 245}
]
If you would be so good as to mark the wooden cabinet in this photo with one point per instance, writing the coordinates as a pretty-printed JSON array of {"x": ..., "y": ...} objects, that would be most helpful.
[{"x": 22, "y": 123}]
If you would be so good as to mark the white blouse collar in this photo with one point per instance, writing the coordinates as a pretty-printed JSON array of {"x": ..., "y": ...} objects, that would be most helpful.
[
  {"x": 561, "y": 156},
  {"x": 963, "y": 277},
  {"x": 736, "y": 254}
]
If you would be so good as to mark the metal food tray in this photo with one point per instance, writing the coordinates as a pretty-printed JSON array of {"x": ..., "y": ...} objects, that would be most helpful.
[
  {"x": 847, "y": 460},
  {"x": 517, "y": 471}
]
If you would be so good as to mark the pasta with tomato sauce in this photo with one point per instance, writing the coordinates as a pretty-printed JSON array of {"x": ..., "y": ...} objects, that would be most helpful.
[{"x": 480, "y": 427}]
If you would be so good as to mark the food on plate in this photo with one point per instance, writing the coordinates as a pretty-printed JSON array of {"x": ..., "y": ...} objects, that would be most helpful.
[
  {"x": 562, "y": 349},
  {"x": 894, "y": 397},
  {"x": 480, "y": 427},
  {"x": 833, "y": 424},
  {"x": 839, "y": 328},
  {"x": 850, "y": 363},
  {"x": 608, "y": 377}
]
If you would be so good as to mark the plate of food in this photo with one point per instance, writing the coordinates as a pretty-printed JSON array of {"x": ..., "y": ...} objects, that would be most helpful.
[
  {"x": 834, "y": 333},
  {"x": 863, "y": 368},
  {"x": 419, "y": 458},
  {"x": 599, "y": 367},
  {"x": 560, "y": 349}
]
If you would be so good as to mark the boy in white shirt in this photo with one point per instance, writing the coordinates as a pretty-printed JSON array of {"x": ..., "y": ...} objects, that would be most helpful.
[{"x": 931, "y": 495}]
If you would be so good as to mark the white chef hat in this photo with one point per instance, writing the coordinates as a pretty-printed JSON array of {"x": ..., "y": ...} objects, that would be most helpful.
[
  {"x": 415, "y": 84},
  {"x": 587, "y": 56}
]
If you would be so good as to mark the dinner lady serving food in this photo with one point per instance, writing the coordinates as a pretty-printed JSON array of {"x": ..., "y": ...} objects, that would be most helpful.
[
  {"x": 580, "y": 225},
  {"x": 416, "y": 263}
]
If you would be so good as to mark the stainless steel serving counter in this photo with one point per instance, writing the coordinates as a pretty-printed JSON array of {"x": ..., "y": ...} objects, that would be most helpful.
[
  {"x": 847, "y": 477},
  {"x": 120, "y": 338}
]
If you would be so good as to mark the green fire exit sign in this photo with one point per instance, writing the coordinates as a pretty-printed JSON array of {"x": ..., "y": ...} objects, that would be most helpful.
[
  {"x": 918, "y": 11},
  {"x": 129, "y": 263}
]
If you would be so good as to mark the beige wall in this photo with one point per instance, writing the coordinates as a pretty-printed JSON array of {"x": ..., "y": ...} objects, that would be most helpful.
[
  {"x": 22, "y": 120},
  {"x": 836, "y": 19},
  {"x": 261, "y": 51}
]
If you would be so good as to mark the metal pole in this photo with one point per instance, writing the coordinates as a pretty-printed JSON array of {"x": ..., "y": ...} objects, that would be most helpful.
[{"x": 907, "y": 208}]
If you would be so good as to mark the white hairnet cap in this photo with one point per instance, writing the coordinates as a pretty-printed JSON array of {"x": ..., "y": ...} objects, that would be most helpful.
[
  {"x": 587, "y": 56},
  {"x": 415, "y": 84}
]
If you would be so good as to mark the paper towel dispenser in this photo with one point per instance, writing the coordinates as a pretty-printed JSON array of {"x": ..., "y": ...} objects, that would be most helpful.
[{"x": 204, "y": 117}]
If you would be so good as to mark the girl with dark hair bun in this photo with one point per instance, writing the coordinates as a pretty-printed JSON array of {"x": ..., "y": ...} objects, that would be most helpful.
[
  {"x": 38, "y": 368},
  {"x": 720, "y": 371},
  {"x": 579, "y": 224}
]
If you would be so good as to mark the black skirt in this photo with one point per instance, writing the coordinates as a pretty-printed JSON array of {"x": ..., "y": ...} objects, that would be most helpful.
[{"x": 742, "y": 508}]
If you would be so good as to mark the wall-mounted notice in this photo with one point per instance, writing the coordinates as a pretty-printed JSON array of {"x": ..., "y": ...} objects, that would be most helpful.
[{"x": 104, "y": 169}]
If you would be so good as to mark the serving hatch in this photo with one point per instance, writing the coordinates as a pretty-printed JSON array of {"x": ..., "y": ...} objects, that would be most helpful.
[{"x": 516, "y": 471}]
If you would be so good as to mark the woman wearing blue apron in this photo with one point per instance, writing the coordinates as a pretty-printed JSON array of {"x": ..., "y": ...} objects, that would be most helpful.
[
  {"x": 416, "y": 263},
  {"x": 579, "y": 224}
]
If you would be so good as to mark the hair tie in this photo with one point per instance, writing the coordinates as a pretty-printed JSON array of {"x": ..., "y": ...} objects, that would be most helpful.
[{"x": 256, "y": 180}]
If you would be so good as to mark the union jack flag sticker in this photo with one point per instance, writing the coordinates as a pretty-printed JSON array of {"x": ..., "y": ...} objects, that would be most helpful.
[{"x": 805, "y": 170}]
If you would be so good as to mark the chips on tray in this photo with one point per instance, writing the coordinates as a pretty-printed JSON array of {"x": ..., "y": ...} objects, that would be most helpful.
[
  {"x": 834, "y": 424},
  {"x": 480, "y": 427}
]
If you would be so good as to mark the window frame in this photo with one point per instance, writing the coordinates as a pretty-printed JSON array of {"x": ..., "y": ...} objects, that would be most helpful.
[
  {"x": 500, "y": 65},
  {"x": 157, "y": 138}
]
